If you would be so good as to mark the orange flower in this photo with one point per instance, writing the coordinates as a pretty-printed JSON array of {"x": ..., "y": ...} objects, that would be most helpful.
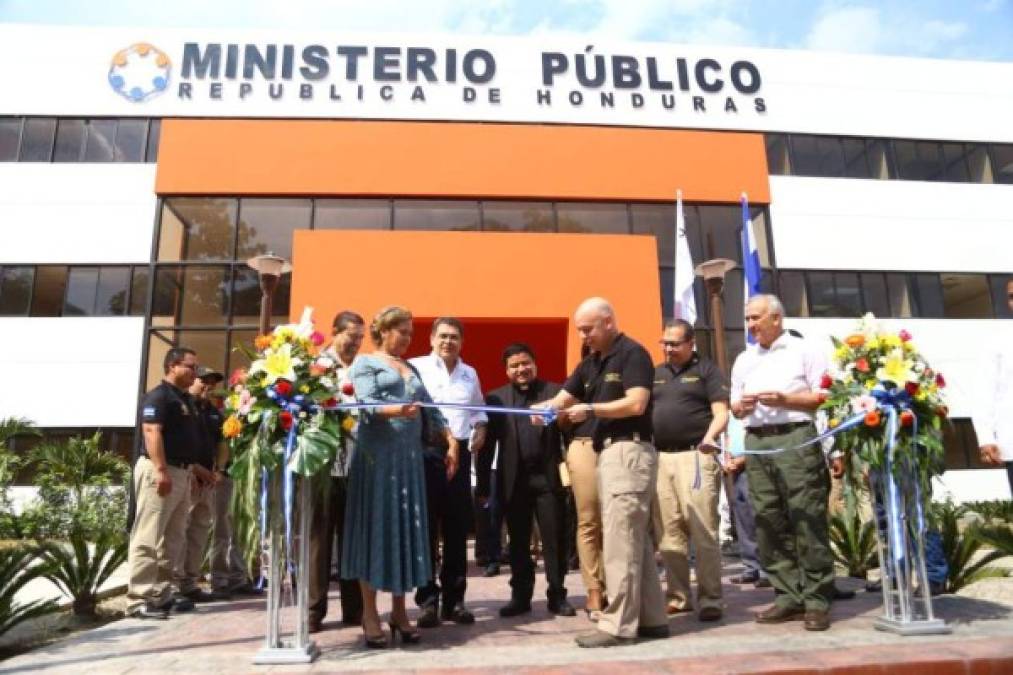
[
  {"x": 872, "y": 418},
  {"x": 855, "y": 341},
  {"x": 262, "y": 342},
  {"x": 232, "y": 427}
]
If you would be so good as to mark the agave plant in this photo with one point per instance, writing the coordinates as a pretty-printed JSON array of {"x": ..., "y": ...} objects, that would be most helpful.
[
  {"x": 81, "y": 570},
  {"x": 853, "y": 542},
  {"x": 999, "y": 537},
  {"x": 962, "y": 549},
  {"x": 16, "y": 570}
]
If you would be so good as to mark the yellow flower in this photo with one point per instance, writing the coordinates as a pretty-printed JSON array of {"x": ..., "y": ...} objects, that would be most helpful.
[
  {"x": 305, "y": 389},
  {"x": 841, "y": 353},
  {"x": 277, "y": 363},
  {"x": 348, "y": 424},
  {"x": 870, "y": 384},
  {"x": 872, "y": 344},
  {"x": 895, "y": 368},
  {"x": 891, "y": 341},
  {"x": 834, "y": 422}
]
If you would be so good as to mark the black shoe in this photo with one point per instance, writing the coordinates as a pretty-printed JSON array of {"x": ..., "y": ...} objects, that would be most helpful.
[
  {"x": 408, "y": 637},
  {"x": 515, "y": 608},
  {"x": 775, "y": 614},
  {"x": 762, "y": 582},
  {"x": 561, "y": 608},
  {"x": 351, "y": 620},
  {"x": 181, "y": 604},
  {"x": 817, "y": 620},
  {"x": 314, "y": 625},
  {"x": 457, "y": 614},
  {"x": 841, "y": 594},
  {"x": 200, "y": 595},
  {"x": 149, "y": 611},
  {"x": 246, "y": 589},
  {"x": 653, "y": 632},
  {"x": 874, "y": 586},
  {"x": 745, "y": 578},
  {"x": 491, "y": 570},
  {"x": 375, "y": 641},
  {"x": 429, "y": 618},
  {"x": 709, "y": 613}
]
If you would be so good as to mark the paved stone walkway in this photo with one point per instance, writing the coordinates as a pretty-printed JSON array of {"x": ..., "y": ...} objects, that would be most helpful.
[{"x": 223, "y": 637}]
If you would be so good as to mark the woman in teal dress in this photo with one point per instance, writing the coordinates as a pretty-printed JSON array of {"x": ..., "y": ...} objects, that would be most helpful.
[{"x": 387, "y": 542}]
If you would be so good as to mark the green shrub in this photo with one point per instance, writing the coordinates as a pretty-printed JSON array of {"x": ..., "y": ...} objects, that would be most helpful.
[
  {"x": 79, "y": 570},
  {"x": 962, "y": 548},
  {"x": 16, "y": 570},
  {"x": 853, "y": 542}
]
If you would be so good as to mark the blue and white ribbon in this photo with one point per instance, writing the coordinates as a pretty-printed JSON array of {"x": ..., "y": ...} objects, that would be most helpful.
[{"x": 548, "y": 414}]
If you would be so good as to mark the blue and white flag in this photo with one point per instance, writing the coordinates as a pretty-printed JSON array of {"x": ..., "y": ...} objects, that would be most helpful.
[
  {"x": 750, "y": 260},
  {"x": 685, "y": 299}
]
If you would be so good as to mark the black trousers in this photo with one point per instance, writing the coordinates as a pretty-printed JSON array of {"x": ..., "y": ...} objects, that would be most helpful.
[
  {"x": 533, "y": 497},
  {"x": 450, "y": 518},
  {"x": 328, "y": 521}
]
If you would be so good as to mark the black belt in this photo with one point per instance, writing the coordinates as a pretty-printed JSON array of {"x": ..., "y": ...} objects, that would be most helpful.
[
  {"x": 776, "y": 429},
  {"x": 178, "y": 463},
  {"x": 677, "y": 448},
  {"x": 635, "y": 437}
]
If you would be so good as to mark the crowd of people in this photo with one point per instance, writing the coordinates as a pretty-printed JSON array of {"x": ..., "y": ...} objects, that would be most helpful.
[{"x": 621, "y": 461}]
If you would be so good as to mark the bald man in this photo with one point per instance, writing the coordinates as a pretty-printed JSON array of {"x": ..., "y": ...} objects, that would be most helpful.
[{"x": 611, "y": 387}]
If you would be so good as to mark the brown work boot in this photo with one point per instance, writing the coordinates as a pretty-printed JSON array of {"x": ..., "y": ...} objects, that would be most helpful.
[
  {"x": 817, "y": 619},
  {"x": 776, "y": 614}
]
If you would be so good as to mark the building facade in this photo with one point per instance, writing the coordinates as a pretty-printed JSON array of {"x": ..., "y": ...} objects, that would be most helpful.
[{"x": 495, "y": 179}]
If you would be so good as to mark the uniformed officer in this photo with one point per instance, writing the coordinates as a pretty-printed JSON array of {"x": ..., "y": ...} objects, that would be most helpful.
[
  {"x": 690, "y": 401},
  {"x": 612, "y": 385},
  {"x": 171, "y": 431},
  {"x": 775, "y": 390},
  {"x": 202, "y": 496}
]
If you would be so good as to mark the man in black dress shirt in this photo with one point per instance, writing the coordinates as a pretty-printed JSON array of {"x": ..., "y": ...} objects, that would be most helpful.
[{"x": 527, "y": 471}]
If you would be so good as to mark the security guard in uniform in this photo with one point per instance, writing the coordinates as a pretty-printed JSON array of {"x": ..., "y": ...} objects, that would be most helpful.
[{"x": 171, "y": 429}]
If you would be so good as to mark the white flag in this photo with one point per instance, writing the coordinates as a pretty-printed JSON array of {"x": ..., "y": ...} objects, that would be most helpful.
[{"x": 685, "y": 299}]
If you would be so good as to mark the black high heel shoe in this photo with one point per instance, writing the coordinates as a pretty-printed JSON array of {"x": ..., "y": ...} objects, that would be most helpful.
[
  {"x": 375, "y": 641},
  {"x": 407, "y": 637}
]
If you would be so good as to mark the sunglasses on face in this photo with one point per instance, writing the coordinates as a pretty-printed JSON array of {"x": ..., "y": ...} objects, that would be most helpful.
[{"x": 673, "y": 343}]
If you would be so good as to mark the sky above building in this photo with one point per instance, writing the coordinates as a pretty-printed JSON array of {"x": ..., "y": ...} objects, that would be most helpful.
[{"x": 951, "y": 29}]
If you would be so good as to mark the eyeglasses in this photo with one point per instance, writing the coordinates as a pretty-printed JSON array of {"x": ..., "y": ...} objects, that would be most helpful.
[
  {"x": 188, "y": 366},
  {"x": 673, "y": 343}
]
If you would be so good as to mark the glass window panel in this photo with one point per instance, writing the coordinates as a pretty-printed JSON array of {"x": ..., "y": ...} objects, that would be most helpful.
[
  {"x": 82, "y": 283},
  {"x": 10, "y": 137},
  {"x": 210, "y": 346},
  {"x": 131, "y": 135},
  {"x": 197, "y": 228},
  {"x": 1002, "y": 295},
  {"x": 856, "y": 158},
  {"x": 410, "y": 214},
  {"x": 237, "y": 358},
  {"x": 966, "y": 296},
  {"x": 16, "y": 289},
  {"x": 351, "y": 214},
  {"x": 658, "y": 220},
  {"x": 928, "y": 296},
  {"x": 165, "y": 302},
  {"x": 979, "y": 165},
  {"x": 722, "y": 230},
  {"x": 816, "y": 156},
  {"x": 518, "y": 217},
  {"x": 246, "y": 297},
  {"x": 820, "y": 291},
  {"x": 955, "y": 166},
  {"x": 101, "y": 141},
  {"x": 139, "y": 291},
  {"x": 777, "y": 154},
  {"x": 734, "y": 306},
  {"x": 848, "y": 294},
  {"x": 758, "y": 216},
  {"x": 874, "y": 293},
  {"x": 154, "y": 131},
  {"x": 766, "y": 281},
  {"x": 880, "y": 164},
  {"x": 50, "y": 284},
  {"x": 111, "y": 298},
  {"x": 918, "y": 160},
  {"x": 282, "y": 299},
  {"x": 593, "y": 217},
  {"x": 899, "y": 292},
  {"x": 735, "y": 344},
  {"x": 70, "y": 135},
  {"x": 1002, "y": 164},
  {"x": 266, "y": 226},
  {"x": 194, "y": 296},
  {"x": 37, "y": 139},
  {"x": 793, "y": 295},
  {"x": 159, "y": 343}
]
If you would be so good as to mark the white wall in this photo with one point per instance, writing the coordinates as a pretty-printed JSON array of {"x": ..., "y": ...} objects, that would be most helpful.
[
  {"x": 828, "y": 223},
  {"x": 76, "y": 213},
  {"x": 71, "y": 372}
]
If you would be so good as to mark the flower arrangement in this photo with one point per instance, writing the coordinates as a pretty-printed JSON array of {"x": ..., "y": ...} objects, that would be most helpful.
[{"x": 872, "y": 372}]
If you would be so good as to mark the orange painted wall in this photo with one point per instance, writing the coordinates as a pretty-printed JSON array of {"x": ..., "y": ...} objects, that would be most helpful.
[
  {"x": 460, "y": 160},
  {"x": 472, "y": 274}
]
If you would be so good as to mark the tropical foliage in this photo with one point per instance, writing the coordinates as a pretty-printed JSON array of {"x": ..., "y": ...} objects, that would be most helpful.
[
  {"x": 853, "y": 542},
  {"x": 17, "y": 568},
  {"x": 965, "y": 558},
  {"x": 80, "y": 568}
]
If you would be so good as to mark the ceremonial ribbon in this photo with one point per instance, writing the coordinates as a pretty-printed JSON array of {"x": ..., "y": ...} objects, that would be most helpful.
[
  {"x": 548, "y": 414},
  {"x": 263, "y": 504}
]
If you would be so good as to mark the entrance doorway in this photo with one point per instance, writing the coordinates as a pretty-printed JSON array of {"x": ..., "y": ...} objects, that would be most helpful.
[{"x": 486, "y": 338}]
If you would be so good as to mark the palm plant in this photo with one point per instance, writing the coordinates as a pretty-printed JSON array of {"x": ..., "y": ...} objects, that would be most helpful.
[
  {"x": 77, "y": 463},
  {"x": 994, "y": 510},
  {"x": 962, "y": 549},
  {"x": 16, "y": 570},
  {"x": 999, "y": 537},
  {"x": 853, "y": 542},
  {"x": 10, "y": 464},
  {"x": 81, "y": 570}
]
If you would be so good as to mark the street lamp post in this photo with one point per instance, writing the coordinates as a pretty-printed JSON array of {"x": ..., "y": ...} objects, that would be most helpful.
[
  {"x": 713, "y": 272},
  {"x": 269, "y": 267}
]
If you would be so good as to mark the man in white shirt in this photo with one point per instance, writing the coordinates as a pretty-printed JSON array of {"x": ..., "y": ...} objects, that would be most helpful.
[
  {"x": 993, "y": 412},
  {"x": 775, "y": 391},
  {"x": 449, "y": 380}
]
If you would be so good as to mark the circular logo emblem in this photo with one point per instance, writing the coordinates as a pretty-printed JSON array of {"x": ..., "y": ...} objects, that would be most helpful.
[{"x": 139, "y": 72}]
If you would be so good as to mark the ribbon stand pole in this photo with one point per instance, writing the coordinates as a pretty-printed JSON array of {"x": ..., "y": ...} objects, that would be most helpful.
[{"x": 296, "y": 647}]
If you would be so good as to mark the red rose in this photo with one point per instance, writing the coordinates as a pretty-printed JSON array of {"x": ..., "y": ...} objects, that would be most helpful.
[
  {"x": 238, "y": 377},
  {"x": 907, "y": 418},
  {"x": 862, "y": 365},
  {"x": 826, "y": 381},
  {"x": 911, "y": 388},
  {"x": 283, "y": 387},
  {"x": 329, "y": 402},
  {"x": 347, "y": 389},
  {"x": 940, "y": 382},
  {"x": 285, "y": 419}
]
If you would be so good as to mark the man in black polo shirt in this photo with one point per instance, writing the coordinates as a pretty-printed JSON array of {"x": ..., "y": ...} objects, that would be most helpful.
[
  {"x": 690, "y": 410},
  {"x": 171, "y": 429},
  {"x": 612, "y": 386},
  {"x": 527, "y": 474}
]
